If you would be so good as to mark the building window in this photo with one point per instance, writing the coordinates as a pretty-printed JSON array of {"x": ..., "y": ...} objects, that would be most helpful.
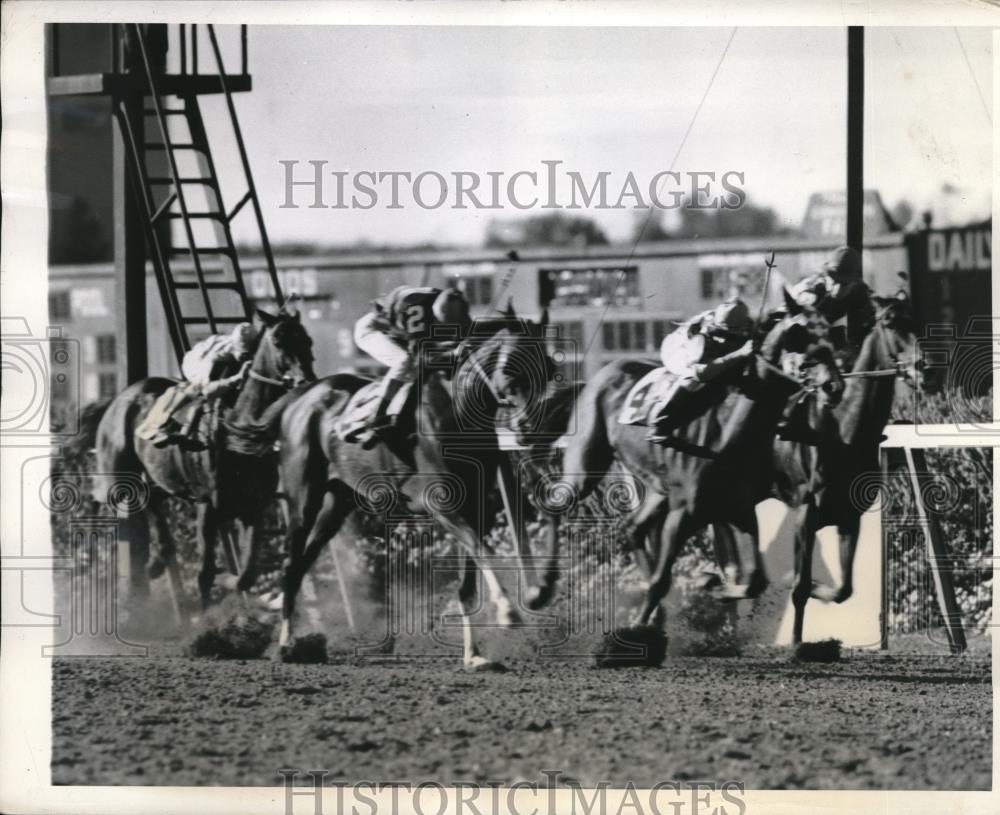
[
  {"x": 608, "y": 336},
  {"x": 59, "y": 306},
  {"x": 590, "y": 287},
  {"x": 633, "y": 335},
  {"x": 660, "y": 330},
  {"x": 107, "y": 349},
  {"x": 722, "y": 281},
  {"x": 478, "y": 289},
  {"x": 107, "y": 386}
]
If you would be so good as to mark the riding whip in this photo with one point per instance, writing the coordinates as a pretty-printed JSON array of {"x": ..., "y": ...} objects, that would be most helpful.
[{"x": 769, "y": 262}]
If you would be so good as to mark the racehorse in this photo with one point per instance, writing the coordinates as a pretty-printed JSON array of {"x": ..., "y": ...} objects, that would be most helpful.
[
  {"x": 235, "y": 479},
  {"x": 713, "y": 474},
  {"x": 440, "y": 459},
  {"x": 821, "y": 477}
]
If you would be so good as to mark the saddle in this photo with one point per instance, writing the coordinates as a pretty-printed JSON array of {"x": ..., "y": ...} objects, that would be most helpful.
[
  {"x": 357, "y": 415},
  {"x": 648, "y": 396},
  {"x": 178, "y": 405}
]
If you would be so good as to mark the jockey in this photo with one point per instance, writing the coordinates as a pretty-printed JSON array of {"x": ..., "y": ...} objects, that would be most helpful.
[
  {"x": 387, "y": 333},
  {"x": 699, "y": 351},
  {"x": 213, "y": 368},
  {"x": 840, "y": 294}
]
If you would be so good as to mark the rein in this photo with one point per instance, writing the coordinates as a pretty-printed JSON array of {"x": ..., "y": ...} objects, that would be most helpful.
[
  {"x": 281, "y": 383},
  {"x": 898, "y": 369}
]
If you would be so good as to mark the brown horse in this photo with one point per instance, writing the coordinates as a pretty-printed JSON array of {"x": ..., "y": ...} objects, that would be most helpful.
[
  {"x": 234, "y": 480},
  {"x": 820, "y": 478},
  {"x": 441, "y": 462},
  {"x": 714, "y": 477}
]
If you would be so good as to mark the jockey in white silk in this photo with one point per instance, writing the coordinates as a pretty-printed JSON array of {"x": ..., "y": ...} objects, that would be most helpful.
[
  {"x": 701, "y": 350},
  {"x": 213, "y": 368}
]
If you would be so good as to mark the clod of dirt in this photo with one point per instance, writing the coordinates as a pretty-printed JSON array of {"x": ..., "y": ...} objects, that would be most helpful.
[
  {"x": 236, "y": 636},
  {"x": 309, "y": 649},
  {"x": 821, "y": 651},
  {"x": 636, "y": 646}
]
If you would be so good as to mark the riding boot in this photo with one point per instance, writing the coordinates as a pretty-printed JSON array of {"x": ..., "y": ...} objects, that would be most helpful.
[
  {"x": 674, "y": 415},
  {"x": 381, "y": 421},
  {"x": 188, "y": 436}
]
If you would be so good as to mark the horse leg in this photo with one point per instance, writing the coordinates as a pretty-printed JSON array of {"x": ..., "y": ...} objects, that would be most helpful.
[
  {"x": 208, "y": 535},
  {"x": 133, "y": 529},
  {"x": 847, "y": 535},
  {"x": 542, "y": 595},
  {"x": 805, "y": 539},
  {"x": 740, "y": 538},
  {"x": 468, "y": 598},
  {"x": 513, "y": 504},
  {"x": 305, "y": 542},
  {"x": 166, "y": 550},
  {"x": 647, "y": 546},
  {"x": 677, "y": 528},
  {"x": 507, "y": 615},
  {"x": 727, "y": 555},
  {"x": 251, "y": 536}
]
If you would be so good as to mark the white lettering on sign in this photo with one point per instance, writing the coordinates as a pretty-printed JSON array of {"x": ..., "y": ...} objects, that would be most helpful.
[
  {"x": 303, "y": 282},
  {"x": 88, "y": 303},
  {"x": 967, "y": 250}
]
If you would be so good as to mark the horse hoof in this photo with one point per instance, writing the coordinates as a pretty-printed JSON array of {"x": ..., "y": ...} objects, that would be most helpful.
[
  {"x": 479, "y": 664},
  {"x": 829, "y": 594},
  {"x": 507, "y": 616},
  {"x": 538, "y": 597},
  {"x": 155, "y": 568}
]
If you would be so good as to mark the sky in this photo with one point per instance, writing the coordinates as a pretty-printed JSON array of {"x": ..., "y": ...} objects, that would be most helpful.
[{"x": 504, "y": 99}]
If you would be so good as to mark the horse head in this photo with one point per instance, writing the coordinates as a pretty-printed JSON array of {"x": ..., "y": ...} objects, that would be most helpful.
[
  {"x": 896, "y": 328},
  {"x": 512, "y": 366},
  {"x": 800, "y": 334},
  {"x": 284, "y": 349}
]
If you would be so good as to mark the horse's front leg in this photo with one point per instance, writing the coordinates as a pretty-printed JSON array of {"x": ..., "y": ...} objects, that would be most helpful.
[
  {"x": 805, "y": 539},
  {"x": 468, "y": 598},
  {"x": 208, "y": 535},
  {"x": 251, "y": 536},
  {"x": 513, "y": 504},
  {"x": 166, "y": 554},
  {"x": 741, "y": 540},
  {"x": 482, "y": 553},
  {"x": 306, "y": 538},
  {"x": 677, "y": 528},
  {"x": 847, "y": 538}
]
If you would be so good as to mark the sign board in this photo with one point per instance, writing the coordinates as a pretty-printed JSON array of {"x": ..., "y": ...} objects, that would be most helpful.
[{"x": 826, "y": 216}]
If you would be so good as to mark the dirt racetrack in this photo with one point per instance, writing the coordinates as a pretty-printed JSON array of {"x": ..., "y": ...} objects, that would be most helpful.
[{"x": 869, "y": 721}]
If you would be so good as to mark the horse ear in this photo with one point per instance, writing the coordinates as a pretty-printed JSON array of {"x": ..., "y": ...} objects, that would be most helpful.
[
  {"x": 266, "y": 317},
  {"x": 791, "y": 304}
]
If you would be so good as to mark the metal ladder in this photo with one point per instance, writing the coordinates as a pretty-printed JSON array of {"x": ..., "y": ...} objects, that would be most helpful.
[{"x": 186, "y": 315}]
